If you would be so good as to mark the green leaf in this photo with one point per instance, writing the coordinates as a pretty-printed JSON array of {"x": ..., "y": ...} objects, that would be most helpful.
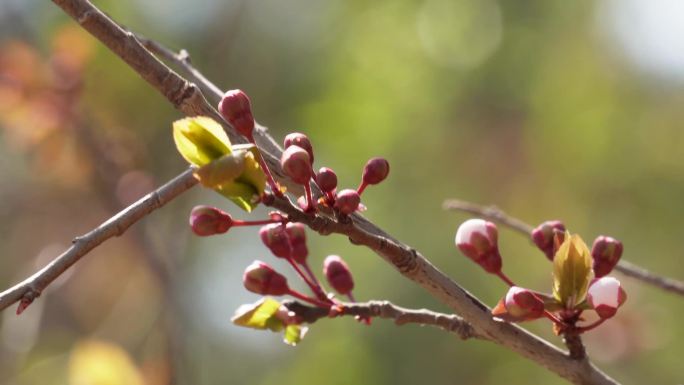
[
  {"x": 259, "y": 315},
  {"x": 572, "y": 272},
  {"x": 246, "y": 189},
  {"x": 222, "y": 171},
  {"x": 232, "y": 171},
  {"x": 200, "y": 139},
  {"x": 294, "y": 334}
]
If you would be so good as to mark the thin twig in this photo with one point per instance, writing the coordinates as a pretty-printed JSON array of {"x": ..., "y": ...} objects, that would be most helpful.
[
  {"x": 627, "y": 268},
  {"x": 409, "y": 262},
  {"x": 182, "y": 58},
  {"x": 33, "y": 286},
  {"x": 385, "y": 309}
]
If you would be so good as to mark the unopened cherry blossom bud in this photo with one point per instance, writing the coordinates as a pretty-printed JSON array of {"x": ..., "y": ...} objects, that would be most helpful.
[
  {"x": 478, "y": 240},
  {"x": 207, "y": 220},
  {"x": 522, "y": 304},
  {"x": 297, "y": 164},
  {"x": 338, "y": 274},
  {"x": 347, "y": 201},
  {"x": 297, "y": 236},
  {"x": 375, "y": 171},
  {"x": 543, "y": 236},
  {"x": 275, "y": 237},
  {"x": 236, "y": 108},
  {"x": 606, "y": 296},
  {"x": 262, "y": 279},
  {"x": 606, "y": 253},
  {"x": 326, "y": 179},
  {"x": 300, "y": 140}
]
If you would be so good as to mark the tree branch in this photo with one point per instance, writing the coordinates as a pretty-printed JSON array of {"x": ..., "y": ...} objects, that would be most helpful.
[
  {"x": 413, "y": 265},
  {"x": 629, "y": 269},
  {"x": 385, "y": 309},
  {"x": 33, "y": 286}
]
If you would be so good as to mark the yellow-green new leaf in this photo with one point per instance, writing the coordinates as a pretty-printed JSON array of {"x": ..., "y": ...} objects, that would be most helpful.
[
  {"x": 294, "y": 334},
  {"x": 200, "y": 139},
  {"x": 247, "y": 188},
  {"x": 259, "y": 315},
  {"x": 222, "y": 171},
  {"x": 572, "y": 271}
]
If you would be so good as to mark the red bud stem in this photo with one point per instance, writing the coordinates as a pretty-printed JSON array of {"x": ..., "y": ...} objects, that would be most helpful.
[
  {"x": 316, "y": 289},
  {"x": 553, "y": 318},
  {"x": 361, "y": 187},
  {"x": 267, "y": 171},
  {"x": 255, "y": 223},
  {"x": 505, "y": 278},
  {"x": 310, "y": 207},
  {"x": 308, "y": 299},
  {"x": 590, "y": 326},
  {"x": 321, "y": 294}
]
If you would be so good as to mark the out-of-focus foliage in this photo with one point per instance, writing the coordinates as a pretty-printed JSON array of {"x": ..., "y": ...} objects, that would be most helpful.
[
  {"x": 101, "y": 363},
  {"x": 568, "y": 110}
]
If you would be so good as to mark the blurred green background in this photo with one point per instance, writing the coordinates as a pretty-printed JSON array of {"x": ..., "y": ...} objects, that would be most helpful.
[{"x": 549, "y": 109}]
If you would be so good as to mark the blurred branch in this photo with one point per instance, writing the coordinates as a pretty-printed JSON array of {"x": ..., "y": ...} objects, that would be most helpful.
[
  {"x": 385, "y": 309},
  {"x": 33, "y": 286},
  {"x": 409, "y": 262},
  {"x": 629, "y": 269}
]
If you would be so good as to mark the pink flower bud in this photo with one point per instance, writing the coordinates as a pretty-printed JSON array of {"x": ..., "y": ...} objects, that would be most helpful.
[
  {"x": 338, "y": 275},
  {"x": 207, "y": 220},
  {"x": 478, "y": 240},
  {"x": 262, "y": 279},
  {"x": 375, "y": 171},
  {"x": 300, "y": 140},
  {"x": 275, "y": 237},
  {"x": 543, "y": 236},
  {"x": 347, "y": 201},
  {"x": 296, "y": 163},
  {"x": 326, "y": 179},
  {"x": 297, "y": 236},
  {"x": 236, "y": 108},
  {"x": 522, "y": 305},
  {"x": 606, "y": 252},
  {"x": 606, "y": 296}
]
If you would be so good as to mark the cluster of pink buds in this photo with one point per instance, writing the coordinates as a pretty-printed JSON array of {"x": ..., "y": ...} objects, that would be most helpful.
[
  {"x": 285, "y": 240},
  {"x": 288, "y": 241},
  {"x": 297, "y": 162},
  {"x": 235, "y": 171},
  {"x": 580, "y": 276}
]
